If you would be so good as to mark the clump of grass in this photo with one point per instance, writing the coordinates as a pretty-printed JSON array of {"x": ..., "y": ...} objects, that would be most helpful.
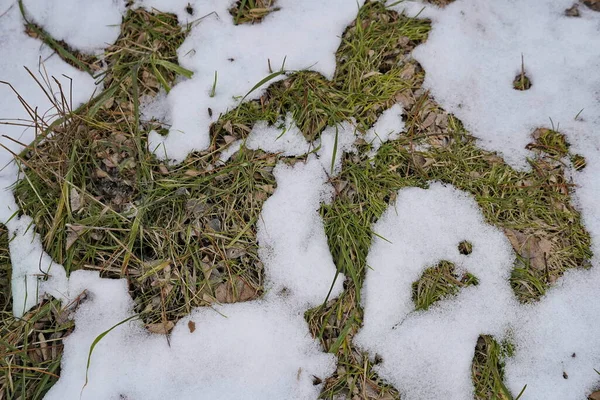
[
  {"x": 522, "y": 81},
  {"x": 31, "y": 350},
  {"x": 251, "y": 11},
  {"x": 549, "y": 142},
  {"x": 439, "y": 282},
  {"x": 487, "y": 371}
]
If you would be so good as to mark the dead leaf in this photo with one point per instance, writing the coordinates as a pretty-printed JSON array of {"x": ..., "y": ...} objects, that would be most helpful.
[
  {"x": 101, "y": 173},
  {"x": 73, "y": 233},
  {"x": 408, "y": 72},
  {"x": 192, "y": 172},
  {"x": 404, "y": 99},
  {"x": 163, "y": 169},
  {"x": 234, "y": 252},
  {"x": 243, "y": 291},
  {"x": 429, "y": 120},
  {"x": 593, "y": 4},
  {"x": 595, "y": 395},
  {"x": 161, "y": 328},
  {"x": 535, "y": 249},
  {"x": 75, "y": 199},
  {"x": 191, "y": 326},
  {"x": 228, "y": 127}
]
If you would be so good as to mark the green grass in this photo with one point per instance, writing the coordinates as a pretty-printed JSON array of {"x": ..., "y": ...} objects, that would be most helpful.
[
  {"x": 184, "y": 236},
  {"x": 252, "y": 11},
  {"x": 438, "y": 283}
]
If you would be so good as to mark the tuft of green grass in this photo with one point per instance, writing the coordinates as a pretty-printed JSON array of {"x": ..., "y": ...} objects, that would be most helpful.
[
  {"x": 251, "y": 11},
  {"x": 5, "y": 269},
  {"x": 439, "y": 282},
  {"x": 487, "y": 370}
]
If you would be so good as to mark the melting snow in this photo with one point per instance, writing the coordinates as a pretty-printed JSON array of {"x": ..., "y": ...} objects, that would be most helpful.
[
  {"x": 262, "y": 349},
  {"x": 428, "y": 354}
]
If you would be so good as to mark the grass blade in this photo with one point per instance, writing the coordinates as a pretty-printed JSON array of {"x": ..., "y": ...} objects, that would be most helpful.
[{"x": 95, "y": 342}]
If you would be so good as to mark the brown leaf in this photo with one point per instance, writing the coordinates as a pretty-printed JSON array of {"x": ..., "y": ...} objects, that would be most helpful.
[
  {"x": 225, "y": 292},
  {"x": 228, "y": 127},
  {"x": 191, "y": 326},
  {"x": 73, "y": 233},
  {"x": 408, "y": 72},
  {"x": 192, "y": 172},
  {"x": 595, "y": 395},
  {"x": 161, "y": 328},
  {"x": 75, "y": 199},
  {"x": 535, "y": 249},
  {"x": 593, "y": 4}
]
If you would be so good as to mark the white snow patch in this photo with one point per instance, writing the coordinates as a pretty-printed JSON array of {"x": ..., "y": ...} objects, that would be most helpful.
[
  {"x": 428, "y": 354},
  {"x": 155, "y": 108},
  {"x": 560, "y": 335},
  {"x": 284, "y": 137},
  {"x": 334, "y": 142},
  {"x": 483, "y": 43},
  {"x": 86, "y": 25},
  {"x": 300, "y": 35},
  {"x": 33, "y": 272},
  {"x": 388, "y": 127},
  {"x": 299, "y": 262}
]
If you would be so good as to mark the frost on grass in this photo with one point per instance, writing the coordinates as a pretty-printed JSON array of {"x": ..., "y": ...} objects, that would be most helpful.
[
  {"x": 300, "y": 35},
  {"x": 427, "y": 354}
]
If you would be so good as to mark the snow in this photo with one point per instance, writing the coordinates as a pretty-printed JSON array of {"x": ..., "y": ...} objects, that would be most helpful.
[
  {"x": 428, "y": 354},
  {"x": 335, "y": 141},
  {"x": 33, "y": 272},
  {"x": 300, "y": 35},
  {"x": 88, "y": 26},
  {"x": 559, "y": 335},
  {"x": 284, "y": 138},
  {"x": 298, "y": 262},
  {"x": 388, "y": 127},
  {"x": 483, "y": 43},
  {"x": 253, "y": 350}
]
